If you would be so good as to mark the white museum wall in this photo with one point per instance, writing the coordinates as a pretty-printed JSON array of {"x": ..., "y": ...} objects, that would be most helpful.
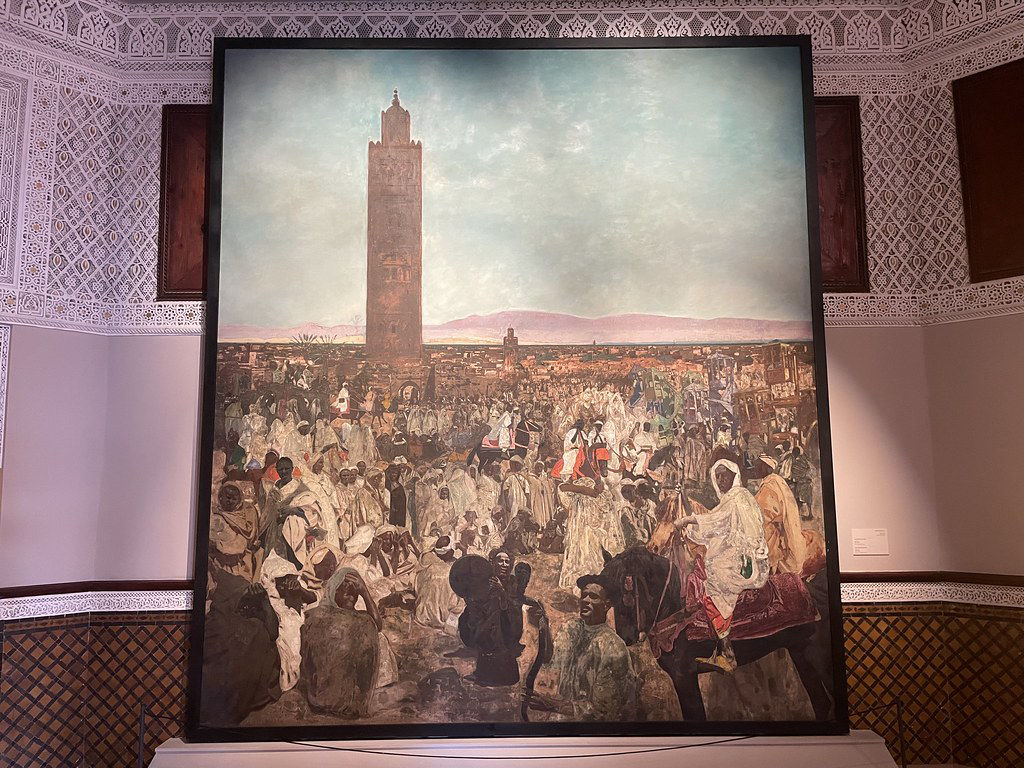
[
  {"x": 975, "y": 375},
  {"x": 55, "y": 433},
  {"x": 882, "y": 448},
  {"x": 145, "y": 521},
  {"x": 102, "y": 432},
  {"x": 101, "y": 436}
]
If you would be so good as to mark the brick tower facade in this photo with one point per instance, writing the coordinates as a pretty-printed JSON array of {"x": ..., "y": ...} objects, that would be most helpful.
[{"x": 394, "y": 240}]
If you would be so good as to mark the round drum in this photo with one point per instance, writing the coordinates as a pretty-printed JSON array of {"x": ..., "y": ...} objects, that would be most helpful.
[{"x": 470, "y": 577}]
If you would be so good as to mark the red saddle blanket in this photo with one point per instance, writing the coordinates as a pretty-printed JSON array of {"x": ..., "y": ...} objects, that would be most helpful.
[{"x": 781, "y": 603}]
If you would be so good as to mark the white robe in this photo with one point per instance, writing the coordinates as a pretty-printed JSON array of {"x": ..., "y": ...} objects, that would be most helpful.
[
  {"x": 341, "y": 401},
  {"x": 481, "y": 536},
  {"x": 371, "y": 574},
  {"x": 487, "y": 491},
  {"x": 362, "y": 446},
  {"x": 462, "y": 489},
  {"x": 645, "y": 447},
  {"x": 321, "y": 487},
  {"x": 445, "y": 420},
  {"x": 436, "y": 603},
  {"x": 584, "y": 537},
  {"x": 275, "y": 437},
  {"x": 252, "y": 424},
  {"x": 323, "y": 437},
  {"x": 571, "y": 447},
  {"x": 501, "y": 431},
  {"x": 289, "y": 621},
  {"x": 414, "y": 421},
  {"x": 429, "y": 422},
  {"x": 345, "y": 496},
  {"x": 542, "y": 499},
  {"x": 434, "y": 512},
  {"x": 256, "y": 450},
  {"x": 295, "y": 446},
  {"x": 517, "y": 493},
  {"x": 367, "y": 506},
  {"x": 732, "y": 532}
]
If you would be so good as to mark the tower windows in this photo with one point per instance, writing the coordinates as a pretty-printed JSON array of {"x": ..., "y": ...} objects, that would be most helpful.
[{"x": 394, "y": 274}]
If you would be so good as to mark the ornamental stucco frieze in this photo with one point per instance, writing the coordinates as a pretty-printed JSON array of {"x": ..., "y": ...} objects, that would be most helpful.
[{"x": 81, "y": 84}]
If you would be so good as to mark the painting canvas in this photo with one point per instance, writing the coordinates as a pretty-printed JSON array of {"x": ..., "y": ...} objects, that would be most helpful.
[{"x": 514, "y": 409}]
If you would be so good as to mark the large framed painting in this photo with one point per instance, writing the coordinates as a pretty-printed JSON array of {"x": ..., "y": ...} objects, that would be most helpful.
[{"x": 514, "y": 414}]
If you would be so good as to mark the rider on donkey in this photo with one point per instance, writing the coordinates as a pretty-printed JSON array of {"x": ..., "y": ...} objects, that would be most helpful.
[{"x": 737, "y": 554}]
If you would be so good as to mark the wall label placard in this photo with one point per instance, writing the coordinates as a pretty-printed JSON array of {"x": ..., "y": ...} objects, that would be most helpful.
[{"x": 870, "y": 541}]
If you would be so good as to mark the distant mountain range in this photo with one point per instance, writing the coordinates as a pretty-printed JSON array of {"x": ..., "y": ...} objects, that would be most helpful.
[{"x": 533, "y": 327}]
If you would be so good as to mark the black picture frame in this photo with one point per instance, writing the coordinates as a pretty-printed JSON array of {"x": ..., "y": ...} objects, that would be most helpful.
[{"x": 194, "y": 731}]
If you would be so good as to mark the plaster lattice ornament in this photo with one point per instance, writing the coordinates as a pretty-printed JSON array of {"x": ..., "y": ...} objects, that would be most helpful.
[
  {"x": 97, "y": 31},
  {"x": 911, "y": 29},
  {"x": 937, "y": 592},
  {"x": 148, "y": 41},
  {"x": 195, "y": 41},
  {"x": 14, "y": 90},
  {"x": 88, "y": 178},
  {"x": 46, "y": 15},
  {"x": 142, "y": 601}
]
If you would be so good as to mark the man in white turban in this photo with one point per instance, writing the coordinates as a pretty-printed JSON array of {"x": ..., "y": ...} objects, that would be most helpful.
[
  {"x": 437, "y": 606},
  {"x": 737, "y": 554}
]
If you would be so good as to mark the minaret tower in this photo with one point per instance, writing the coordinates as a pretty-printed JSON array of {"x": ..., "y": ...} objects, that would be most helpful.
[
  {"x": 510, "y": 345},
  {"x": 394, "y": 240}
]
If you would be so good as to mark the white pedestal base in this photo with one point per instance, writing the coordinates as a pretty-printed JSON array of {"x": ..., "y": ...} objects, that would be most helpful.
[{"x": 860, "y": 749}]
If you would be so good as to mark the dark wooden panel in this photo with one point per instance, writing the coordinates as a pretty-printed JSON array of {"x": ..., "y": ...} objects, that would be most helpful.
[
  {"x": 844, "y": 264},
  {"x": 990, "y": 131},
  {"x": 181, "y": 272}
]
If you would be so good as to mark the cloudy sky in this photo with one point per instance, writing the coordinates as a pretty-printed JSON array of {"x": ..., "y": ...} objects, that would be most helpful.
[{"x": 663, "y": 181}]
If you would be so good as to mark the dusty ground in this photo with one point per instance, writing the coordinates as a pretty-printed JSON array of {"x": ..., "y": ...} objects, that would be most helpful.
[{"x": 432, "y": 686}]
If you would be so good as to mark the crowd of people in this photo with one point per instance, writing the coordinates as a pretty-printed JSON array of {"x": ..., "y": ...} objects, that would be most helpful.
[{"x": 322, "y": 519}]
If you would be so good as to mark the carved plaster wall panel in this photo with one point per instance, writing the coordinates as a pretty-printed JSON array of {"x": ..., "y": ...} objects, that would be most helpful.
[
  {"x": 93, "y": 75},
  {"x": 135, "y": 601},
  {"x": 14, "y": 89}
]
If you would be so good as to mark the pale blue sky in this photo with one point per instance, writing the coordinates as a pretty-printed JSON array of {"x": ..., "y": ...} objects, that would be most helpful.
[{"x": 592, "y": 182}]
